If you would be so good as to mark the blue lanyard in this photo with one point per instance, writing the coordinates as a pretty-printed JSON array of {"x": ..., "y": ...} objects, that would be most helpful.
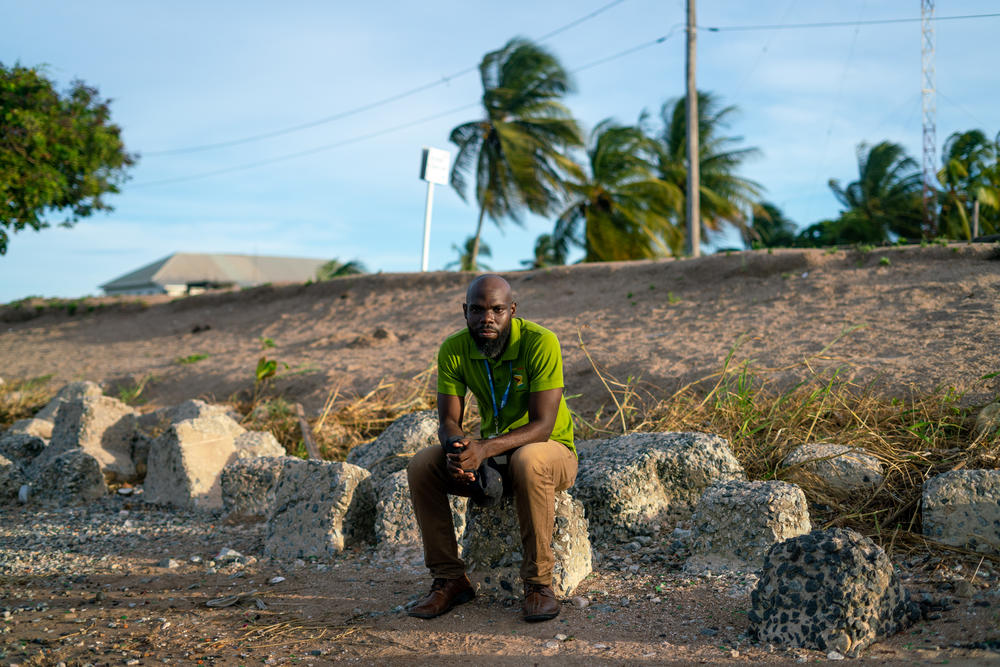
[{"x": 493, "y": 396}]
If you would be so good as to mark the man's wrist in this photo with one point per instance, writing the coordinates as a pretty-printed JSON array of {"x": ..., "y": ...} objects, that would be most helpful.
[{"x": 451, "y": 440}]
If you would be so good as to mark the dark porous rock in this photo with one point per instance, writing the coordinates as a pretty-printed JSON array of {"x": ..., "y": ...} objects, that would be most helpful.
[
  {"x": 319, "y": 508},
  {"x": 737, "y": 522},
  {"x": 493, "y": 551},
  {"x": 21, "y": 448},
  {"x": 396, "y": 531},
  {"x": 830, "y": 590},
  {"x": 392, "y": 449},
  {"x": 962, "y": 508},
  {"x": 249, "y": 486},
  {"x": 635, "y": 484},
  {"x": 70, "y": 478},
  {"x": 11, "y": 479},
  {"x": 99, "y": 425}
]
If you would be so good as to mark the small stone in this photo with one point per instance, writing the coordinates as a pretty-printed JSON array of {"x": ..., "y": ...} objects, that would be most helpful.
[
  {"x": 561, "y": 637},
  {"x": 228, "y": 554},
  {"x": 834, "y": 655},
  {"x": 600, "y": 645},
  {"x": 709, "y": 632},
  {"x": 169, "y": 563},
  {"x": 125, "y": 491},
  {"x": 23, "y": 493},
  {"x": 581, "y": 602},
  {"x": 275, "y": 580},
  {"x": 734, "y": 653},
  {"x": 195, "y": 559},
  {"x": 551, "y": 644}
]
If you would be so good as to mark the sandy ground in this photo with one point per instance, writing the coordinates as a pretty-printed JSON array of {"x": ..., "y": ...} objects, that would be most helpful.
[{"x": 919, "y": 317}]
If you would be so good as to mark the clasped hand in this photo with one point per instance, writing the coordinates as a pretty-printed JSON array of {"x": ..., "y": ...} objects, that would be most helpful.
[{"x": 462, "y": 465}]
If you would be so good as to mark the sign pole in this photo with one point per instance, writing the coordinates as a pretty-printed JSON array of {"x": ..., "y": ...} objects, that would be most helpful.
[
  {"x": 427, "y": 224},
  {"x": 433, "y": 169}
]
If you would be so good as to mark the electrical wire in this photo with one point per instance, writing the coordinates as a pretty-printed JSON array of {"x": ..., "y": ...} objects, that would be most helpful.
[
  {"x": 378, "y": 133},
  {"x": 839, "y": 24},
  {"x": 370, "y": 105}
]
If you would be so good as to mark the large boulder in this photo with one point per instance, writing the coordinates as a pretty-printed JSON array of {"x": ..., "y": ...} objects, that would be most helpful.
[
  {"x": 102, "y": 427},
  {"x": 737, "y": 522},
  {"x": 396, "y": 530},
  {"x": 319, "y": 508},
  {"x": 838, "y": 469},
  {"x": 249, "y": 485},
  {"x": 962, "y": 508},
  {"x": 21, "y": 448},
  {"x": 185, "y": 463},
  {"x": 831, "y": 590},
  {"x": 635, "y": 484},
  {"x": 70, "y": 392},
  {"x": 493, "y": 551},
  {"x": 392, "y": 449},
  {"x": 72, "y": 477}
]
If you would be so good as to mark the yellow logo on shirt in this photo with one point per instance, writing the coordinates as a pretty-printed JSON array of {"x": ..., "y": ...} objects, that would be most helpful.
[{"x": 518, "y": 377}]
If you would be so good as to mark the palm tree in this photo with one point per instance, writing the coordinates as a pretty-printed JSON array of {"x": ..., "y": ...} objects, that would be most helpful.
[
  {"x": 549, "y": 251},
  {"x": 515, "y": 154},
  {"x": 465, "y": 261},
  {"x": 769, "y": 228},
  {"x": 886, "y": 197},
  {"x": 969, "y": 174},
  {"x": 723, "y": 194},
  {"x": 335, "y": 268},
  {"x": 622, "y": 210}
]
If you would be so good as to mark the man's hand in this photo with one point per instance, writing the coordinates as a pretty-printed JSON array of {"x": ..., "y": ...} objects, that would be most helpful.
[{"x": 463, "y": 465}]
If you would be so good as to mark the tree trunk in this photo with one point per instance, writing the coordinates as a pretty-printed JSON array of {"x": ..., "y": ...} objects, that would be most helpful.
[{"x": 474, "y": 255}]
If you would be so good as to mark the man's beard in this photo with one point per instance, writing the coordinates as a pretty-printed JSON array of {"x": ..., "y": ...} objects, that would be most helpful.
[{"x": 492, "y": 348}]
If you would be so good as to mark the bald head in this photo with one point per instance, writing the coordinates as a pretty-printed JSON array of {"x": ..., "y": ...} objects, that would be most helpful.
[
  {"x": 489, "y": 282},
  {"x": 489, "y": 306}
]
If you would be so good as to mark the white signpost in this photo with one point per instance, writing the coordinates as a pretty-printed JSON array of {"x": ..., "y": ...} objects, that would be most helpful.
[{"x": 433, "y": 169}]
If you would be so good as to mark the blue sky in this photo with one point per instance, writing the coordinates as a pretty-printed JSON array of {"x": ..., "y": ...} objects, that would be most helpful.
[{"x": 185, "y": 74}]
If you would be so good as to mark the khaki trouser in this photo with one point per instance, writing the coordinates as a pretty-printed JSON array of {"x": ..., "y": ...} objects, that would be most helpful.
[{"x": 534, "y": 474}]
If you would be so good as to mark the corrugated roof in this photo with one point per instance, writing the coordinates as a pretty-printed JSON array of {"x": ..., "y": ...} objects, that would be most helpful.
[{"x": 183, "y": 268}]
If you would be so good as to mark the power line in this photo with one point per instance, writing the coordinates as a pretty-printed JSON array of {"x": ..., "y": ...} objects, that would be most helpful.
[
  {"x": 310, "y": 151},
  {"x": 839, "y": 24},
  {"x": 377, "y": 133},
  {"x": 371, "y": 105}
]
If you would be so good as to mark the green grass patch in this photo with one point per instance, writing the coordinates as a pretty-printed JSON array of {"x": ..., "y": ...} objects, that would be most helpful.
[{"x": 192, "y": 359}]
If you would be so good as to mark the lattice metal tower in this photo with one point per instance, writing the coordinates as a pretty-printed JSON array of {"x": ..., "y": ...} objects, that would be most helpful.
[{"x": 929, "y": 114}]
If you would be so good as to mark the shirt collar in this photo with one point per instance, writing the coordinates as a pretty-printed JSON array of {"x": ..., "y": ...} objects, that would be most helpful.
[{"x": 513, "y": 343}]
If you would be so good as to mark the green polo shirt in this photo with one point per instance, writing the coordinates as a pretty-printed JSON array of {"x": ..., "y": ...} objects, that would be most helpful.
[{"x": 531, "y": 362}]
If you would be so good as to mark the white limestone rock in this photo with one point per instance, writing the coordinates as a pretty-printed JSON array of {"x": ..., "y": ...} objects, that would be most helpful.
[
  {"x": 829, "y": 590},
  {"x": 493, "y": 551},
  {"x": 70, "y": 392},
  {"x": 737, "y": 522},
  {"x": 635, "y": 484},
  {"x": 253, "y": 444},
  {"x": 962, "y": 508},
  {"x": 40, "y": 428},
  {"x": 319, "y": 508},
  {"x": 101, "y": 426},
  {"x": 839, "y": 469},
  {"x": 185, "y": 463}
]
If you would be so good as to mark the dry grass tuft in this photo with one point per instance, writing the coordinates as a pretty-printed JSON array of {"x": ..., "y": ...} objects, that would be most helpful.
[
  {"x": 21, "y": 399},
  {"x": 346, "y": 420},
  {"x": 915, "y": 437}
]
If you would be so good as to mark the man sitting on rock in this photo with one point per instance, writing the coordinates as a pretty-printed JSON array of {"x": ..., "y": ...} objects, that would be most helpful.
[{"x": 514, "y": 369}]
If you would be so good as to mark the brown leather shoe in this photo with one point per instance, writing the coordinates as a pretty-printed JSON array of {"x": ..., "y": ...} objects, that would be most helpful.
[
  {"x": 540, "y": 603},
  {"x": 445, "y": 594}
]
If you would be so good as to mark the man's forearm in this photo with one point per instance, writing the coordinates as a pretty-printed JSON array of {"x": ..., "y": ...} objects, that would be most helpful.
[{"x": 537, "y": 431}]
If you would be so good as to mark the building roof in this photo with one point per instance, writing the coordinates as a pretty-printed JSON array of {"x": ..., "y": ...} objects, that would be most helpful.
[{"x": 182, "y": 268}]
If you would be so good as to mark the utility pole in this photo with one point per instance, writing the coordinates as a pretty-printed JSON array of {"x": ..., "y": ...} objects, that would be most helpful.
[
  {"x": 929, "y": 113},
  {"x": 693, "y": 157}
]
